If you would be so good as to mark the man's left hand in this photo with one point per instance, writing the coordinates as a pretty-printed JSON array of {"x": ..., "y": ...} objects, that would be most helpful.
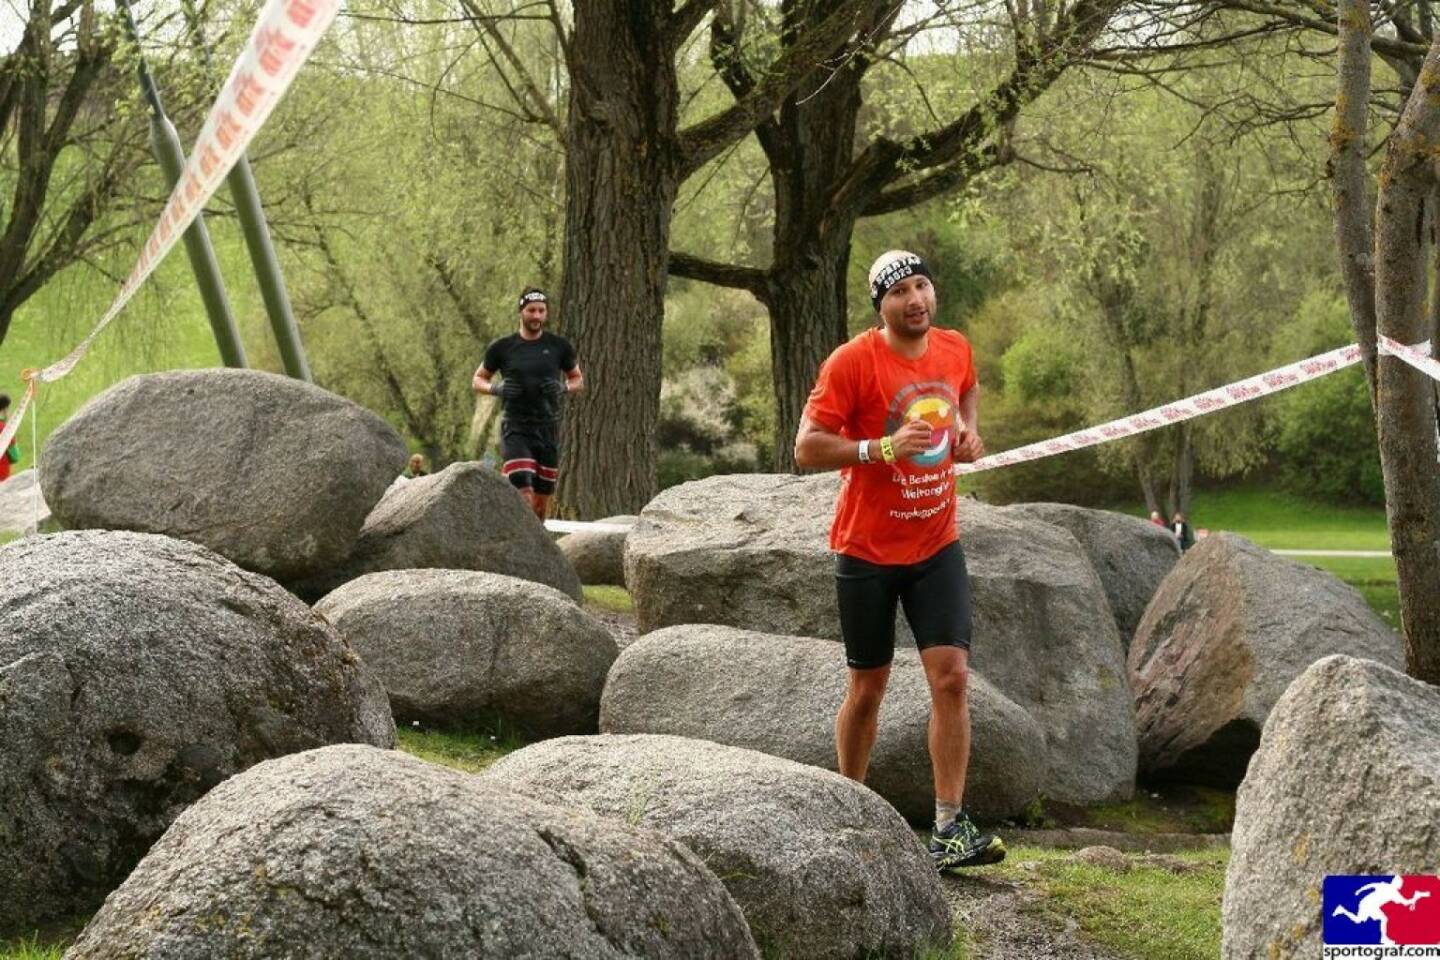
[{"x": 969, "y": 447}]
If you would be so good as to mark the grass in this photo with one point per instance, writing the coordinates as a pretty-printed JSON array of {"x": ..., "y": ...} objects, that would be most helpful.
[
  {"x": 467, "y": 751},
  {"x": 615, "y": 599},
  {"x": 1143, "y": 913},
  {"x": 30, "y": 948},
  {"x": 1167, "y": 809},
  {"x": 1284, "y": 521},
  {"x": 47, "y": 943}
]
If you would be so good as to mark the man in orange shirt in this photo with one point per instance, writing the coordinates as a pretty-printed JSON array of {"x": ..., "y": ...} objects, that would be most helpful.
[{"x": 894, "y": 409}]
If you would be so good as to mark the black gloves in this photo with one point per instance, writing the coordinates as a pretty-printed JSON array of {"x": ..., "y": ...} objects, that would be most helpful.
[
  {"x": 554, "y": 389},
  {"x": 510, "y": 389}
]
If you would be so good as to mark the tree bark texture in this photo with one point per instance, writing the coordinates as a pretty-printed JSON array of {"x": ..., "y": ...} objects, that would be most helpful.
[
  {"x": 621, "y": 181},
  {"x": 1405, "y": 409},
  {"x": 806, "y": 324},
  {"x": 809, "y": 147},
  {"x": 1349, "y": 182}
]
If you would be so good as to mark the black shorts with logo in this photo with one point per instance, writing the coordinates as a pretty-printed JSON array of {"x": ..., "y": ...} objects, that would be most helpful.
[
  {"x": 532, "y": 455},
  {"x": 935, "y": 594}
]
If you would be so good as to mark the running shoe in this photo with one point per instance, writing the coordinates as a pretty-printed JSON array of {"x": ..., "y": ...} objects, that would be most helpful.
[{"x": 961, "y": 844}]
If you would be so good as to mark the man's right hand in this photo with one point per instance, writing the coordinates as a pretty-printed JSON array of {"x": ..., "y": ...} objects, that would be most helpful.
[
  {"x": 912, "y": 438},
  {"x": 509, "y": 389}
]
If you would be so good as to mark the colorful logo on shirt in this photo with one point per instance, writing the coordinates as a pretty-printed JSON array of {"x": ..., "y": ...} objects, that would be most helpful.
[{"x": 940, "y": 414}]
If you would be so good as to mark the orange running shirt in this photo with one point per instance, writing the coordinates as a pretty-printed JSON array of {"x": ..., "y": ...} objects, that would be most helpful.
[{"x": 903, "y": 512}]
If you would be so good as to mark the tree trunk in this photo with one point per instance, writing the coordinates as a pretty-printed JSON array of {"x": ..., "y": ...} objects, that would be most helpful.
[
  {"x": 1147, "y": 487},
  {"x": 807, "y": 321},
  {"x": 810, "y": 147},
  {"x": 1182, "y": 474},
  {"x": 1405, "y": 409},
  {"x": 621, "y": 180}
]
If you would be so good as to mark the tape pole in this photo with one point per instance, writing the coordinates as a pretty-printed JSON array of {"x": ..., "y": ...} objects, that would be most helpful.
[{"x": 285, "y": 34}]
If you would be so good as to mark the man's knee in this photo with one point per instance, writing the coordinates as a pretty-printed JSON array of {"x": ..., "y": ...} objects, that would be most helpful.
[
  {"x": 951, "y": 684},
  {"x": 867, "y": 690}
]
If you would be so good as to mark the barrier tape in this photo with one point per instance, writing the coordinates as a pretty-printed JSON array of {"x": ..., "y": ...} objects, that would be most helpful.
[
  {"x": 284, "y": 36},
  {"x": 1417, "y": 356},
  {"x": 582, "y": 526},
  {"x": 1230, "y": 395}
]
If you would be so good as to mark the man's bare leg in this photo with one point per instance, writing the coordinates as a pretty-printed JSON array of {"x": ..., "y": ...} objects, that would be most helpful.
[
  {"x": 947, "y": 670},
  {"x": 540, "y": 503},
  {"x": 857, "y": 722}
]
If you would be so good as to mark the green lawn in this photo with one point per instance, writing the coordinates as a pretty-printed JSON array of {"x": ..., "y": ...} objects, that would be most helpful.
[
  {"x": 1286, "y": 521},
  {"x": 614, "y": 599}
]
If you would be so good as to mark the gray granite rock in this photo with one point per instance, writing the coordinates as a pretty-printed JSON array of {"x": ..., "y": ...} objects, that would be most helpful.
[
  {"x": 1130, "y": 555},
  {"x": 1346, "y": 781},
  {"x": 821, "y": 866},
  {"x": 275, "y": 474},
  {"x": 466, "y": 517},
  {"x": 137, "y": 672},
  {"x": 361, "y": 853},
  {"x": 1228, "y": 631},
  {"x": 457, "y": 648},
  {"x": 751, "y": 551},
  {"x": 779, "y": 695}
]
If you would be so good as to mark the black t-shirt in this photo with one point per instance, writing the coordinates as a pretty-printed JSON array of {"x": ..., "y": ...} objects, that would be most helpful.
[{"x": 532, "y": 363}]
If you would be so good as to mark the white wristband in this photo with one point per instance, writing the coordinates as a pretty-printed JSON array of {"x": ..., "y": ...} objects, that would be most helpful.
[{"x": 864, "y": 451}]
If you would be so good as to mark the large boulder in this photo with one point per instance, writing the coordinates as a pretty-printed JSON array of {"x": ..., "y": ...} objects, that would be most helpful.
[
  {"x": 362, "y": 853},
  {"x": 466, "y": 517},
  {"x": 1229, "y": 630},
  {"x": 779, "y": 695},
  {"x": 275, "y": 474},
  {"x": 821, "y": 866},
  {"x": 457, "y": 648},
  {"x": 1346, "y": 781},
  {"x": 137, "y": 672},
  {"x": 598, "y": 556},
  {"x": 751, "y": 551},
  {"x": 1131, "y": 555}
]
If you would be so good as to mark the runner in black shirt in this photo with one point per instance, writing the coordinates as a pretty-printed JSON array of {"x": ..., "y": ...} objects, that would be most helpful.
[{"x": 536, "y": 368}]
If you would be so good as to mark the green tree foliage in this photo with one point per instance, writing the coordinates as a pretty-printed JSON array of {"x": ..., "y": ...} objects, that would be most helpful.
[{"x": 1323, "y": 433}]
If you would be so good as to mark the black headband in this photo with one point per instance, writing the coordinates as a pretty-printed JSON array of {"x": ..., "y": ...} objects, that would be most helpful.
[
  {"x": 908, "y": 265},
  {"x": 534, "y": 296}
]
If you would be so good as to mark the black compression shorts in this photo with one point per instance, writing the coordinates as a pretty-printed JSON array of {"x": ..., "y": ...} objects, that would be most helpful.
[
  {"x": 934, "y": 592},
  {"x": 532, "y": 455}
]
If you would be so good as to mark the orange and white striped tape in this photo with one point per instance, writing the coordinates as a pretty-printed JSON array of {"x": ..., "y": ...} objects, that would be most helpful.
[{"x": 285, "y": 34}]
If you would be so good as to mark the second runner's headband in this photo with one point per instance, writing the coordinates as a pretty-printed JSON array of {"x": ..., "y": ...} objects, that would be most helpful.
[
  {"x": 533, "y": 296},
  {"x": 890, "y": 268}
]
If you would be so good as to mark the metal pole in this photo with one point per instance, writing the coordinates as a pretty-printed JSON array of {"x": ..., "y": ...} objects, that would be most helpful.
[
  {"x": 165, "y": 144},
  {"x": 257, "y": 240}
]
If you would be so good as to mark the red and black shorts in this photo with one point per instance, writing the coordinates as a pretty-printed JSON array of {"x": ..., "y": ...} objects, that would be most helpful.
[{"x": 532, "y": 455}]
